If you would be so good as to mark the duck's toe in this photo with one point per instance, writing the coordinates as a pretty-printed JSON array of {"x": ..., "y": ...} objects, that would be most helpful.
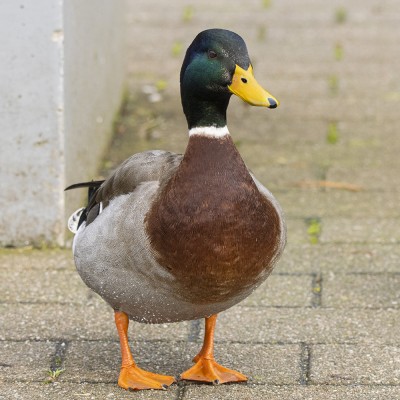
[
  {"x": 135, "y": 378},
  {"x": 208, "y": 370}
]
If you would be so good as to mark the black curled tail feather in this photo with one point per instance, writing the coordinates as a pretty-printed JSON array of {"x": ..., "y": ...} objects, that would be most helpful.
[{"x": 93, "y": 187}]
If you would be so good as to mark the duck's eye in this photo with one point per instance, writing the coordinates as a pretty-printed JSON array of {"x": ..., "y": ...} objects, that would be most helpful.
[{"x": 212, "y": 54}]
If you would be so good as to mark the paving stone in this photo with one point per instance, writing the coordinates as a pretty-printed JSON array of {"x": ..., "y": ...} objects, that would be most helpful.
[
  {"x": 309, "y": 325},
  {"x": 275, "y": 148},
  {"x": 338, "y": 203},
  {"x": 26, "y": 258},
  {"x": 74, "y": 391},
  {"x": 306, "y": 258},
  {"x": 360, "y": 176},
  {"x": 297, "y": 231},
  {"x": 44, "y": 286},
  {"x": 93, "y": 322},
  {"x": 249, "y": 392},
  {"x": 296, "y": 28},
  {"x": 26, "y": 361},
  {"x": 361, "y": 290},
  {"x": 370, "y": 178},
  {"x": 94, "y": 361},
  {"x": 362, "y": 230},
  {"x": 284, "y": 174},
  {"x": 339, "y": 257},
  {"x": 263, "y": 364},
  {"x": 99, "y": 361},
  {"x": 386, "y": 257},
  {"x": 339, "y": 111},
  {"x": 355, "y": 364},
  {"x": 282, "y": 291}
]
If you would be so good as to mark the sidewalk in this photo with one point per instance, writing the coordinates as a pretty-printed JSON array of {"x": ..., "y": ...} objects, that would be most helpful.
[{"x": 326, "y": 325}]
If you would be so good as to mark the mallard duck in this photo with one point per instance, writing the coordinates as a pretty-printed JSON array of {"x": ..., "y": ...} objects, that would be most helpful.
[{"x": 171, "y": 237}]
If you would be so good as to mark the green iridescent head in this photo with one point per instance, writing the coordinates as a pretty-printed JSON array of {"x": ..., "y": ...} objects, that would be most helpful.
[{"x": 216, "y": 66}]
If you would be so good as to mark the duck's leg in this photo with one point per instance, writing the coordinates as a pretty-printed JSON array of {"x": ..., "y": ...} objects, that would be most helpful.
[
  {"x": 206, "y": 368},
  {"x": 131, "y": 376}
]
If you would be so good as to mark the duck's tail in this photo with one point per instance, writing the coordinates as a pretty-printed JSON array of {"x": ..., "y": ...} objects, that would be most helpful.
[
  {"x": 92, "y": 185},
  {"x": 80, "y": 215}
]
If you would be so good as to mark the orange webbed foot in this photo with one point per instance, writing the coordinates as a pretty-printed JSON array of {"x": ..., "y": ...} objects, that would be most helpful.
[
  {"x": 131, "y": 376},
  {"x": 208, "y": 370},
  {"x": 135, "y": 378}
]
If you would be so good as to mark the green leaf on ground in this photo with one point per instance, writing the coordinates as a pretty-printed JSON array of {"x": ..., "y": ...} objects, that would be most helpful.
[
  {"x": 188, "y": 13},
  {"x": 340, "y": 15},
  {"x": 53, "y": 375},
  {"x": 266, "y": 3},
  {"x": 332, "y": 136},
  {"x": 176, "y": 49},
  {"x": 314, "y": 229},
  {"x": 338, "y": 52}
]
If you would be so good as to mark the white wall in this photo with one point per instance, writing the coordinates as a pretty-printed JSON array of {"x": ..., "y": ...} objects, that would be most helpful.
[
  {"x": 61, "y": 82},
  {"x": 95, "y": 64}
]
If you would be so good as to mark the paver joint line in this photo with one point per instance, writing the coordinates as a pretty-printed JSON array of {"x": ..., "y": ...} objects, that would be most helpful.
[
  {"x": 180, "y": 395},
  {"x": 305, "y": 364},
  {"x": 316, "y": 289},
  {"x": 58, "y": 359},
  {"x": 194, "y": 331}
]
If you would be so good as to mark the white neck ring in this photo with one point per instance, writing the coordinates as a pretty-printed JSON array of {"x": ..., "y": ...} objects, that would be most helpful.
[{"x": 209, "y": 131}]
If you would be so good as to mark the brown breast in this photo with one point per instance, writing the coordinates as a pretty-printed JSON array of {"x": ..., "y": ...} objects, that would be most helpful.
[{"x": 211, "y": 227}]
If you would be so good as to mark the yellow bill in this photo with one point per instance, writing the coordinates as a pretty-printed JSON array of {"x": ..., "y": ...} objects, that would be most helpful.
[{"x": 245, "y": 86}]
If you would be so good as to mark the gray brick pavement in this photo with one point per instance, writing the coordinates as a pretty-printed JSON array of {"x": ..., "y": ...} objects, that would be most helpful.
[{"x": 326, "y": 323}]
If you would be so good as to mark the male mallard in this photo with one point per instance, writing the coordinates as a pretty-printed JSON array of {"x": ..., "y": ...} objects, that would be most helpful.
[{"x": 171, "y": 238}]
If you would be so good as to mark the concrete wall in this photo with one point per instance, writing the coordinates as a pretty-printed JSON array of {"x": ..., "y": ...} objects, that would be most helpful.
[{"x": 62, "y": 75}]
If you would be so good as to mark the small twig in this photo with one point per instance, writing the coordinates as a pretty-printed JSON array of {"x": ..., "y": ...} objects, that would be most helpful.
[{"x": 331, "y": 185}]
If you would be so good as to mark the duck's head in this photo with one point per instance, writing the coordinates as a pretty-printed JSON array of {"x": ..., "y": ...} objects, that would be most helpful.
[{"x": 216, "y": 66}]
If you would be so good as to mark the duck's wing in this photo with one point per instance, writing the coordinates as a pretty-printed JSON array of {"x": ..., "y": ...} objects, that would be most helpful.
[{"x": 155, "y": 165}]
